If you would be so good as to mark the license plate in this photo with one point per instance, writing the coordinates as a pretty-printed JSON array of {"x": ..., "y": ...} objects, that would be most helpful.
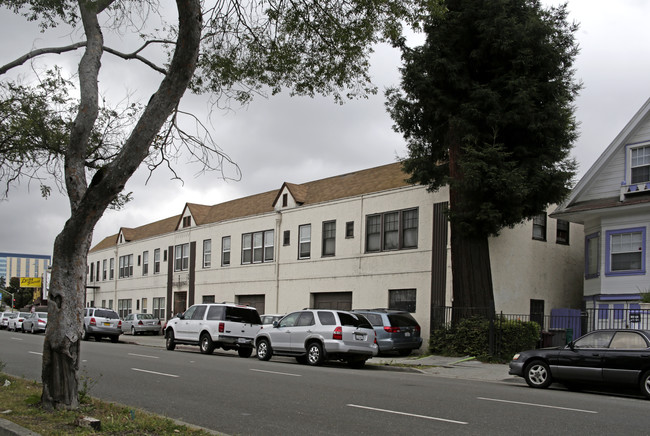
[
  {"x": 407, "y": 334},
  {"x": 107, "y": 324},
  {"x": 359, "y": 337}
]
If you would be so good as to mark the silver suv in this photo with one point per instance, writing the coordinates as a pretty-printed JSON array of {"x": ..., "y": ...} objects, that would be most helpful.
[
  {"x": 99, "y": 322},
  {"x": 210, "y": 326},
  {"x": 397, "y": 330},
  {"x": 313, "y": 336}
]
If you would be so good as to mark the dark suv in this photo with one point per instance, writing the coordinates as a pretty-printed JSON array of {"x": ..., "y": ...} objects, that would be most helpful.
[
  {"x": 396, "y": 330},
  {"x": 314, "y": 336}
]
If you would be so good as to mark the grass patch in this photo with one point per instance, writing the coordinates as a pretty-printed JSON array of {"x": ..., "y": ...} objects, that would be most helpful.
[{"x": 20, "y": 403}]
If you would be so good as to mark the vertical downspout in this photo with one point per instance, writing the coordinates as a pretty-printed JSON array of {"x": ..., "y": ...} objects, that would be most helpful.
[{"x": 278, "y": 239}]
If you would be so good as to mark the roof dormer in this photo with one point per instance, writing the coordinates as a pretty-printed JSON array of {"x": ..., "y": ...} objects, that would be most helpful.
[
  {"x": 289, "y": 196},
  {"x": 125, "y": 235},
  {"x": 186, "y": 220}
]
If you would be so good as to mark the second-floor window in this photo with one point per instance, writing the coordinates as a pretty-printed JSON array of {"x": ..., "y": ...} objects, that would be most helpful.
[
  {"x": 395, "y": 230},
  {"x": 329, "y": 238},
  {"x": 640, "y": 164},
  {"x": 104, "y": 269},
  {"x": 145, "y": 263},
  {"x": 257, "y": 247},
  {"x": 625, "y": 251},
  {"x": 126, "y": 266},
  {"x": 207, "y": 253},
  {"x": 539, "y": 227},
  {"x": 562, "y": 233},
  {"x": 304, "y": 243},
  {"x": 225, "y": 251},
  {"x": 182, "y": 257},
  {"x": 156, "y": 261},
  {"x": 111, "y": 268}
]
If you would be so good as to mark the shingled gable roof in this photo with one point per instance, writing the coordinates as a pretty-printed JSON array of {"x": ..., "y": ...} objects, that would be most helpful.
[
  {"x": 367, "y": 181},
  {"x": 573, "y": 203}
]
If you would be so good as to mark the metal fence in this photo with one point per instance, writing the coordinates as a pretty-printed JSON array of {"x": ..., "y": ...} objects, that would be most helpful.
[{"x": 557, "y": 328}]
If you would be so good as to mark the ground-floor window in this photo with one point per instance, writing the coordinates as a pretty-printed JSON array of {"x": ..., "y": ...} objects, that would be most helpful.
[
  {"x": 402, "y": 299},
  {"x": 124, "y": 307},
  {"x": 159, "y": 307}
]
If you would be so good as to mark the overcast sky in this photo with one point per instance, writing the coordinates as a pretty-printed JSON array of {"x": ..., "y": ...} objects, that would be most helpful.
[{"x": 300, "y": 139}]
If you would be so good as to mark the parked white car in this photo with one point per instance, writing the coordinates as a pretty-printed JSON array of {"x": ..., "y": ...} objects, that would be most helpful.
[
  {"x": 5, "y": 317},
  {"x": 16, "y": 323},
  {"x": 210, "y": 326}
]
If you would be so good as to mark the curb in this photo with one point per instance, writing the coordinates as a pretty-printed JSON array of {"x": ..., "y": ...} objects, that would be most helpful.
[{"x": 8, "y": 428}]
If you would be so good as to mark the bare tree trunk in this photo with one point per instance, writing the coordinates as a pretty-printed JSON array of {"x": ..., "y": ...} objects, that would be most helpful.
[
  {"x": 88, "y": 202},
  {"x": 470, "y": 255}
]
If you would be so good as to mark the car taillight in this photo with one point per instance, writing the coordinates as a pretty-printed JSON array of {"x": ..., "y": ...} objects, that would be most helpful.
[
  {"x": 41, "y": 321},
  {"x": 416, "y": 329},
  {"x": 338, "y": 333},
  {"x": 93, "y": 321},
  {"x": 391, "y": 329},
  {"x": 140, "y": 322},
  {"x": 222, "y": 327},
  {"x": 119, "y": 323}
]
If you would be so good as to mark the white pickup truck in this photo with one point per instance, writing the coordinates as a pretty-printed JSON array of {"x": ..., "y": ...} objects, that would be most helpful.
[{"x": 210, "y": 326}]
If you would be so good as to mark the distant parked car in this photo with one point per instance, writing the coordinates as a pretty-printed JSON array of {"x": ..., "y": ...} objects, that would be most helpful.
[
  {"x": 615, "y": 357},
  {"x": 268, "y": 318},
  {"x": 35, "y": 322},
  {"x": 16, "y": 323},
  {"x": 397, "y": 330},
  {"x": 314, "y": 336},
  {"x": 135, "y": 323},
  {"x": 99, "y": 322},
  {"x": 5, "y": 317}
]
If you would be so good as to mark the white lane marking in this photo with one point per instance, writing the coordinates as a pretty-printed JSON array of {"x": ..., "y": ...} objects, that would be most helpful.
[
  {"x": 156, "y": 373},
  {"x": 537, "y": 405},
  {"x": 433, "y": 418},
  {"x": 16, "y": 339},
  {"x": 34, "y": 352},
  {"x": 143, "y": 355},
  {"x": 278, "y": 373}
]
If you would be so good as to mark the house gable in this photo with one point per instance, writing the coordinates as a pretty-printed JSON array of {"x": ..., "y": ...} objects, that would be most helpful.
[{"x": 610, "y": 182}]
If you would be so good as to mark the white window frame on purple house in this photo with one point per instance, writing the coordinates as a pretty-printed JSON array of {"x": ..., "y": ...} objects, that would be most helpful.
[
  {"x": 608, "y": 252},
  {"x": 593, "y": 238}
]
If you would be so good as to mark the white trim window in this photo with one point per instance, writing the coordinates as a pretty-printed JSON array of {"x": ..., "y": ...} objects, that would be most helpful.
[
  {"x": 225, "y": 251},
  {"x": 156, "y": 261},
  {"x": 329, "y": 238},
  {"x": 207, "y": 253},
  {"x": 257, "y": 247},
  {"x": 304, "y": 241},
  {"x": 111, "y": 268},
  {"x": 592, "y": 256},
  {"x": 126, "y": 266},
  {"x": 145, "y": 263},
  {"x": 396, "y": 230},
  {"x": 182, "y": 257}
]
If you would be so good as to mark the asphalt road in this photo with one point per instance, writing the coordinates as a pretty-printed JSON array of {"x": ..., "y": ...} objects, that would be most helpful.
[{"x": 232, "y": 395}]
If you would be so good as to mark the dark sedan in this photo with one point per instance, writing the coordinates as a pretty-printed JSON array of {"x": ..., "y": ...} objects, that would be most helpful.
[{"x": 620, "y": 357}]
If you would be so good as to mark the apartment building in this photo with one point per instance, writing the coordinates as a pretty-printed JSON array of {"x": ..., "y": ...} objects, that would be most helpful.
[{"x": 365, "y": 239}]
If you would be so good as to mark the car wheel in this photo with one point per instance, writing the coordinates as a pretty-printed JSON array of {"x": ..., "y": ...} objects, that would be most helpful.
[
  {"x": 264, "y": 351},
  {"x": 169, "y": 340},
  {"x": 132, "y": 331},
  {"x": 115, "y": 339},
  {"x": 645, "y": 384},
  {"x": 245, "y": 352},
  {"x": 315, "y": 354},
  {"x": 206, "y": 345},
  {"x": 356, "y": 363},
  {"x": 537, "y": 374},
  {"x": 404, "y": 353}
]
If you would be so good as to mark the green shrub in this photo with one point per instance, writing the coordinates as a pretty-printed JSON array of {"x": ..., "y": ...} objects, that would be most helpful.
[{"x": 471, "y": 337}]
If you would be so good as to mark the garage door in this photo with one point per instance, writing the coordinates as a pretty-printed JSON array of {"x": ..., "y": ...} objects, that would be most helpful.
[
  {"x": 332, "y": 300},
  {"x": 257, "y": 301}
]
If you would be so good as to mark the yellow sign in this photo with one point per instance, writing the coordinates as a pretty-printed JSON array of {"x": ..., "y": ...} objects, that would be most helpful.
[{"x": 30, "y": 282}]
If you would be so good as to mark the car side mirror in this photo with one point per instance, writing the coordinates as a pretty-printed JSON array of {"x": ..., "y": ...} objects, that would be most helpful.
[
  {"x": 275, "y": 324},
  {"x": 571, "y": 345},
  {"x": 180, "y": 316}
]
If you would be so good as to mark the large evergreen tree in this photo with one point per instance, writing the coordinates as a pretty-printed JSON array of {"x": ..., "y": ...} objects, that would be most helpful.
[{"x": 486, "y": 105}]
